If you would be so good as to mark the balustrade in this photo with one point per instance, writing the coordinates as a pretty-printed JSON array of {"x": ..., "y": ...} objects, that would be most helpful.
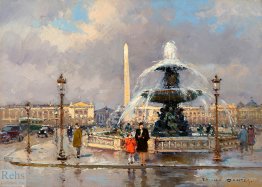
[{"x": 174, "y": 144}]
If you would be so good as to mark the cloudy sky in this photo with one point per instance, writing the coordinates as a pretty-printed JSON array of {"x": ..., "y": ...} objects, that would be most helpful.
[{"x": 83, "y": 39}]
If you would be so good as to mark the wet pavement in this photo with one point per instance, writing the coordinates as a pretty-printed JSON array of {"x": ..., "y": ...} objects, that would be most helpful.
[{"x": 160, "y": 176}]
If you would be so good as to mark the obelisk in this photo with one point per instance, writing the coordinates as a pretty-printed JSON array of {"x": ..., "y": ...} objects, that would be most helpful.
[{"x": 126, "y": 76}]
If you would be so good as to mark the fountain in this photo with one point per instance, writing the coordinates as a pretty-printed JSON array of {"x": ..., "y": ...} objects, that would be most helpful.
[
  {"x": 171, "y": 119},
  {"x": 171, "y": 87}
]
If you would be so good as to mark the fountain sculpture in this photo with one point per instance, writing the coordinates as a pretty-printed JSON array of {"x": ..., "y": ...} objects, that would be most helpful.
[
  {"x": 171, "y": 132},
  {"x": 171, "y": 119}
]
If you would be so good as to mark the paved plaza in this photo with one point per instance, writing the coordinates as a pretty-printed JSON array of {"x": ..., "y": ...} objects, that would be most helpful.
[{"x": 98, "y": 167}]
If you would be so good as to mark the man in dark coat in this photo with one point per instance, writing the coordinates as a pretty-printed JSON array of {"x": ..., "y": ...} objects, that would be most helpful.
[
  {"x": 142, "y": 136},
  {"x": 208, "y": 129},
  {"x": 70, "y": 133}
]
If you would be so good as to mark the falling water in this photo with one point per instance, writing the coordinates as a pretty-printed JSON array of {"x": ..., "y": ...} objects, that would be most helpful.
[
  {"x": 229, "y": 115},
  {"x": 150, "y": 80},
  {"x": 130, "y": 108}
]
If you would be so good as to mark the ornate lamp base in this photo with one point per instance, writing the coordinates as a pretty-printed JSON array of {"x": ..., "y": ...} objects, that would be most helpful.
[
  {"x": 217, "y": 157},
  {"x": 28, "y": 149},
  {"x": 61, "y": 155}
]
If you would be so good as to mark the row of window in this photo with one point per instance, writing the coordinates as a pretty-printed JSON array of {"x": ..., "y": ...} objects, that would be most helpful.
[{"x": 81, "y": 112}]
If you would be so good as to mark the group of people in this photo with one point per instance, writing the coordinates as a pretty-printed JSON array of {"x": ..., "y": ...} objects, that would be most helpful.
[
  {"x": 209, "y": 130},
  {"x": 132, "y": 144},
  {"x": 246, "y": 138},
  {"x": 137, "y": 144}
]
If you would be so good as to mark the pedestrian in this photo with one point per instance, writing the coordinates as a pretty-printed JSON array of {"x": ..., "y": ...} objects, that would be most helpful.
[
  {"x": 200, "y": 130},
  {"x": 242, "y": 136},
  {"x": 142, "y": 136},
  {"x": 77, "y": 140},
  {"x": 130, "y": 145},
  {"x": 70, "y": 133},
  {"x": 212, "y": 131},
  {"x": 251, "y": 137},
  {"x": 208, "y": 129},
  {"x": 128, "y": 128}
]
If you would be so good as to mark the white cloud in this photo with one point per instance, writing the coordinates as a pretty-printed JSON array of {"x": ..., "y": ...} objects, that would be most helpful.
[
  {"x": 91, "y": 60},
  {"x": 225, "y": 10},
  {"x": 25, "y": 82},
  {"x": 106, "y": 19},
  {"x": 66, "y": 40},
  {"x": 242, "y": 15},
  {"x": 63, "y": 41},
  {"x": 236, "y": 69},
  {"x": 16, "y": 28}
]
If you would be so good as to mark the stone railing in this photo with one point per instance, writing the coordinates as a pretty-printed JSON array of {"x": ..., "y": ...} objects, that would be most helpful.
[
  {"x": 192, "y": 144},
  {"x": 181, "y": 144},
  {"x": 105, "y": 142},
  {"x": 164, "y": 144},
  {"x": 228, "y": 143}
]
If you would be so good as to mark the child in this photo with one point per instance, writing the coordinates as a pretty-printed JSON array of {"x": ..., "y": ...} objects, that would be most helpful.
[{"x": 130, "y": 144}]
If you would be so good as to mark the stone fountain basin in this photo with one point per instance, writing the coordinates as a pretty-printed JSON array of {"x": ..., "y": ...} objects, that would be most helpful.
[
  {"x": 169, "y": 95},
  {"x": 171, "y": 67}
]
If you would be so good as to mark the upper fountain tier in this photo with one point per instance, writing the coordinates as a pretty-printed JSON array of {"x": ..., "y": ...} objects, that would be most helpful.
[
  {"x": 170, "y": 50},
  {"x": 171, "y": 92},
  {"x": 170, "y": 61}
]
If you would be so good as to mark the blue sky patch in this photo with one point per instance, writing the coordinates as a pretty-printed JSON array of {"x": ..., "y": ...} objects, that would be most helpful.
[
  {"x": 184, "y": 10},
  {"x": 36, "y": 24},
  {"x": 220, "y": 28},
  {"x": 79, "y": 13},
  {"x": 212, "y": 20},
  {"x": 65, "y": 25}
]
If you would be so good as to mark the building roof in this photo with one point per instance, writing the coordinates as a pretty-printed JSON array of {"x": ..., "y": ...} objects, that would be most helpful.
[
  {"x": 252, "y": 103},
  {"x": 80, "y": 104},
  {"x": 240, "y": 104},
  {"x": 110, "y": 110}
]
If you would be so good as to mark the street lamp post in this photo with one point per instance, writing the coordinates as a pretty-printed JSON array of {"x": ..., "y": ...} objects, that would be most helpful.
[
  {"x": 81, "y": 119},
  {"x": 56, "y": 115},
  {"x": 28, "y": 108},
  {"x": 61, "y": 86},
  {"x": 69, "y": 119},
  {"x": 216, "y": 87}
]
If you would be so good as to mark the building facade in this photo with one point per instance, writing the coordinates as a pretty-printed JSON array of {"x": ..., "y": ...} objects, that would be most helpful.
[
  {"x": 229, "y": 114},
  {"x": 12, "y": 114},
  {"x": 79, "y": 112},
  {"x": 148, "y": 114},
  {"x": 251, "y": 113},
  {"x": 102, "y": 115},
  {"x": 84, "y": 113}
]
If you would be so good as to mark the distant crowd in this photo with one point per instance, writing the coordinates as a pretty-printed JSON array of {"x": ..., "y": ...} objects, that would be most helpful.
[{"x": 209, "y": 130}]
